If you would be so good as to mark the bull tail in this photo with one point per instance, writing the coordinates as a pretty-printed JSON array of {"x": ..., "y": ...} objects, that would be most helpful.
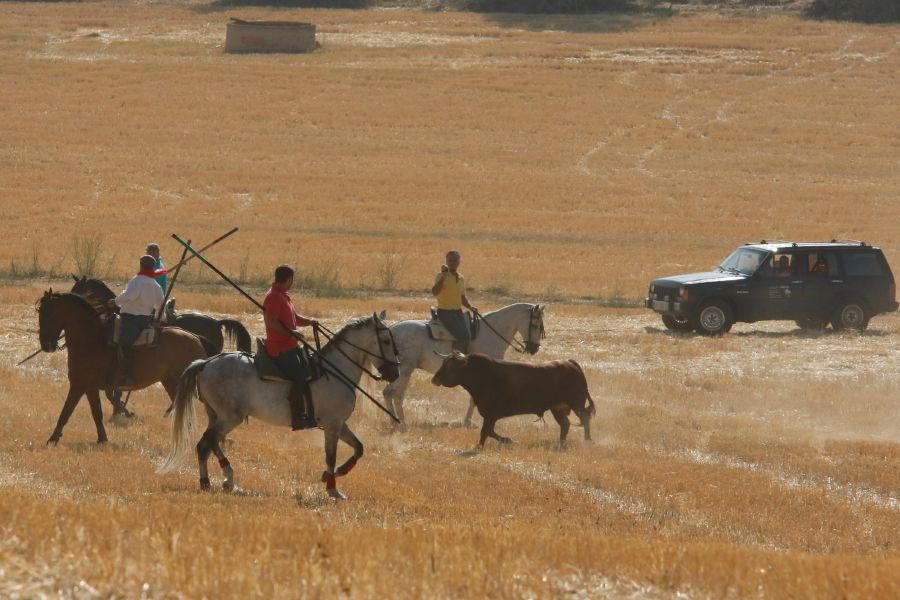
[
  {"x": 183, "y": 423},
  {"x": 592, "y": 408}
]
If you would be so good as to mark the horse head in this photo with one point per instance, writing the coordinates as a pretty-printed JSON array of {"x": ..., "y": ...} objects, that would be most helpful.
[
  {"x": 389, "y": 368},
  {"x": 536, "y": 331},
  {"x": 50, "y": 322}
]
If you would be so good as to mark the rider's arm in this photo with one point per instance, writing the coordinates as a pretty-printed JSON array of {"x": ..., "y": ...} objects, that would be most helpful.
[
  {"x": 274, "y": 322},
  {"x": 465, "y": 302},
  {"x": 438, "y": 284},
  {"x": 305, "y": 321},
  {"x": 130, "y": 293}
]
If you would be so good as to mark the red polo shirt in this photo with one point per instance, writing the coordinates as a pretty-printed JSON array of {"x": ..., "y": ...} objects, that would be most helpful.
[{"x": 279, "y": 305}]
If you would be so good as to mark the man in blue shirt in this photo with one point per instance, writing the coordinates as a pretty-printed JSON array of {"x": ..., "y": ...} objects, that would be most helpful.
[{"x": 153, "y": 250}]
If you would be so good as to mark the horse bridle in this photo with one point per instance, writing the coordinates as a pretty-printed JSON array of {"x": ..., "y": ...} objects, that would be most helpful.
[
  {"x": 520, "y": 347},
  {"x": 331, "y": 336}
]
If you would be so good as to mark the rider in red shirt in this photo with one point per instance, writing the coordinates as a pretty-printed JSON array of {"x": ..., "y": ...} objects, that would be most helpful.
[{"x": 282, "y": 345}]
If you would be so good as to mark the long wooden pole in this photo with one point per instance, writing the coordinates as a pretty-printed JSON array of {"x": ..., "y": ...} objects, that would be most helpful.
[{"x": 347, "y": 380}]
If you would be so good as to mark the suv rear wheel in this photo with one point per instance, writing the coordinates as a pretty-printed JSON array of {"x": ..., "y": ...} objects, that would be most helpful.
[
  {"x": 714, "y": 317},
  {"x": 676, "y": 324},
  {"x": 851, "y": 314}
]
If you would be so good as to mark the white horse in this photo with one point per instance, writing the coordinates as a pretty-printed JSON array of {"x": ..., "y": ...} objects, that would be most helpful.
[
  {"x": 494, "y": 337},
  {"x": 231, "y": 391}
]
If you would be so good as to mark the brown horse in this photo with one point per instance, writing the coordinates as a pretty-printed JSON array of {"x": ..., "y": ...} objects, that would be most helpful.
[{"x": 92, "y": 360}]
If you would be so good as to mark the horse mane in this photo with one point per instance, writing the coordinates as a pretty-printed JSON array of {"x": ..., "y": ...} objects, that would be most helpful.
[
  {"x": 81, "y": 304},
  {"x": 342, "y": 333},
  {"x": 96, "y": 285}
]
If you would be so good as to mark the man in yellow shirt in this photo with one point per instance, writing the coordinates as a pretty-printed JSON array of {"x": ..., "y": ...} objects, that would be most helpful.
[{"x": 450, "y": 290}]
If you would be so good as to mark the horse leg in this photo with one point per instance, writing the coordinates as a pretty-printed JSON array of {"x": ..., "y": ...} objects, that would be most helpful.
[
  {"x": 72, "y": 400},
  {"x": 563, "y": 420},
  {"x": 204, "y": 447},
  {"x": 97, "y": 412},
  {"x": 331, "y": 440},
  {"x": 467, "y": 422},
  {"x": 393, "y": 395},
  {"x": 349, "y": 438},
  {"x": 228, "y": 484}
]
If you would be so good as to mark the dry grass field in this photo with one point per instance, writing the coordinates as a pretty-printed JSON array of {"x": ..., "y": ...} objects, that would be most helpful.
[{"x": 569, "y": 158}]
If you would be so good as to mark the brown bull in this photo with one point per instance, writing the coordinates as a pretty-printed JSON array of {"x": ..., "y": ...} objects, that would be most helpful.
[{"x": 502, "y": 388}]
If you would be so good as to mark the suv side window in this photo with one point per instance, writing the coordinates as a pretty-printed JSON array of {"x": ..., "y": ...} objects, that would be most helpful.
[
  {"x": 779, "y": 266},
  {"x": 821, "y": 264},
  {"x": 862, "y": 264}
]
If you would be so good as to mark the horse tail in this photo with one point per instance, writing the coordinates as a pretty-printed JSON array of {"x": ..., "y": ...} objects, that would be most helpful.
[
  {"x": 592, "y": 408},
  {"x": 183, "y": 422},
  {"x": 237, "y": 333},
  {"x": 208, "y": 347}
]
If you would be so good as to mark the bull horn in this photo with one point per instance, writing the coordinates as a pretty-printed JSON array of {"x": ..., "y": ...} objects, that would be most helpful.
[{"x": 443, "y": 356}]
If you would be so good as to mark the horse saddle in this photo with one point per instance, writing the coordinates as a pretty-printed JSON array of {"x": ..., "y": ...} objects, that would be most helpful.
[
  {"x": 437, "y": 330},
  {"x": 146, "y": 338},
  {"x": 267, "y": 370}
]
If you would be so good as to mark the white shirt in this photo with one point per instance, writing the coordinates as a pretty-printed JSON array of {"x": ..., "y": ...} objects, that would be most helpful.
[{"x": 142, "y": 296}]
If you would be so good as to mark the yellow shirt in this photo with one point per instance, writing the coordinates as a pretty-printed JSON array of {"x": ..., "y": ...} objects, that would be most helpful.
[{"x": 450, "y": 296}]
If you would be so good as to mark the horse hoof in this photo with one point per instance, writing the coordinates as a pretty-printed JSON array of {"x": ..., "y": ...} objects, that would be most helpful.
[
  {"x": 228, "y": 487},
  {"x": 469, "y": 425},
  {"x": 52, "y": 442},
  {"x": 204, "y": 484},
  {"x": 505, "y": 440},
  {"x": 102, "y": 442},
  {"x": 336, "y": 494}
]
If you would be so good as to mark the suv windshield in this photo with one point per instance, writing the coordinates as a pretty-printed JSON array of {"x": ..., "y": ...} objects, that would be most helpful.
[{"x": 743, "y": 261}]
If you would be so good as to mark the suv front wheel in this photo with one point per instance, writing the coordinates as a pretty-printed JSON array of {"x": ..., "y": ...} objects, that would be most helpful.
[
  {"x": 714, "y": 317},
  {"x": 676, "y": 324},
  {"x": 851, "y": 314}
]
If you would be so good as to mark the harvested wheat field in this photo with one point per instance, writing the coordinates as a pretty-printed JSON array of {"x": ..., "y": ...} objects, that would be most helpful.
[{"x": 571, "y": 159}]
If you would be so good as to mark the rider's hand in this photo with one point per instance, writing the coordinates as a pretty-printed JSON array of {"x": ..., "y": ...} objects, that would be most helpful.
[
  {"x": 313, "y": 323},
  {"x": 111, "y": 303},
  {"x": 474, "y": 309}
]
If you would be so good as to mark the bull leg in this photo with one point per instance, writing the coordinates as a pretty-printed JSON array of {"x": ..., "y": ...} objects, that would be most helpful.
[
  {"x": 585, "y": 417},
  {"x": 487, "y": 429},
  {"x": 563, "y": 420},
  {"x": 97, "y": 412},
  {"x": 72, "y": 400}
]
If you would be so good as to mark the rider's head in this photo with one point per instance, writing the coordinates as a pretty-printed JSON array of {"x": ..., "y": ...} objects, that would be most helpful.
[
  {"x": 453, "y": 259},
  {"x": 284, "y": 276},
  {"x": 153, "y": 250},
  {"x": 147, "y": 262}
]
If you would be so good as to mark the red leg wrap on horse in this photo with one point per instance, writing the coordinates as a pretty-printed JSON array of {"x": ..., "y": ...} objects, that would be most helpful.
[
  {"x": 347, "y": 467},
  {"x": 329, "y": 482},
  {"x": 223, "y": 462}
]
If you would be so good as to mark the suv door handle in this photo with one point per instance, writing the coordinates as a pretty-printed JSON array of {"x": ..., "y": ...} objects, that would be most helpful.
[
  {"x": 837, "y": 281},
  {"x": 797, "y": 283}
]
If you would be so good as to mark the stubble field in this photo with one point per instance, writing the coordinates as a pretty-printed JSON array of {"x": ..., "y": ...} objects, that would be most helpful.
[{"x": 568, "y": 158}]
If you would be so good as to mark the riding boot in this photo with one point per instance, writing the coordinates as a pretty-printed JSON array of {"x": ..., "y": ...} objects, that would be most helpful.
[
  {"x": 300, "y": 419},
  {"x": 309, "y": 419}
]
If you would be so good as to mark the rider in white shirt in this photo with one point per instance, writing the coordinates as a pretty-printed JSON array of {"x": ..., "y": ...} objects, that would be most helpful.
[{"x": 139, "y": 303}]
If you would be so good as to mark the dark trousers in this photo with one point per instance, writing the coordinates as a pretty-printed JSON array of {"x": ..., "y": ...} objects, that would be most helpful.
[
  {"x": 455, "y": 321},
  {"x": 292, "y": 365},
  {"x": 129, "y": 330}
]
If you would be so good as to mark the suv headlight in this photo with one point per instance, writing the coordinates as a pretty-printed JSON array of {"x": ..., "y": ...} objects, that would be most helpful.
[
  {"x": 683, "y": 293},
  {"x": 652, "y": 288}
]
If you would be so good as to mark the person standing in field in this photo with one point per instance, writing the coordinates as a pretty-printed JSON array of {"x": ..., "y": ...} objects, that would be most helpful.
[
  {"x": 283, "y": 346},
  {"x": 141, "y": 300},
  {"x": 162, "y": 280},
  {"x": 450, "y": 291}
]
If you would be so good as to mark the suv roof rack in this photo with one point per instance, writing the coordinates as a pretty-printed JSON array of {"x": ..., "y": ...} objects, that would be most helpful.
[{"x": 839, "y": 240}]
